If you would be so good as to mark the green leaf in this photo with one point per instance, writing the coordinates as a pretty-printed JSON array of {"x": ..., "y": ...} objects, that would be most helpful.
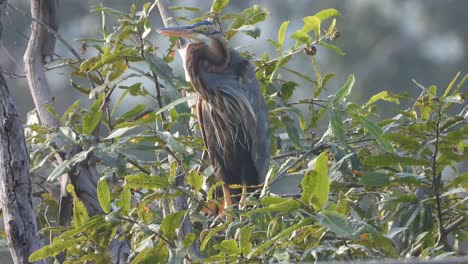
[
  {"x": 244, "y": 239},
  {"x": 327, "y": 13},
  {"x": 171, "y": 222},
  {"x": 125, "y": 201},
  {"x": 378, "y": 241},
  {"x": 211, "y": 234},
  {"x": 316, "y": 185},
  {"x": 250, "y": 30},
  {"x": 386, "y": 160},
  {"x": 118, "y": 132},
  {"x": 459, "y": 180},
  {"x": 135, "y": 89},
  {"x": 456, "y": 98},
  {"x": 282, "y": 234},
  {"x": 344, "y": 91},
  {"x": 291, "y": 130},
  {"x": 376, "y": 132},
  {"x": 69, "y": 110},
  {"x": 188, "y": 240},
  {"x": 250, "y": 16},
  {"x": 332, "y": 47},
  {"x": 377, "y": 179},
  {"x": 408, "y": 198},
  {"x": 142, "y": 180},
  {"x": 195, "y": 180},
  {"x": 282, "y": 32},
  {"x": 55, "y": 248},
  {"x": 132, "y": 112},
  {"x": 302, "y": 37},
  {"x": 91, "y": 120},
  {"x": 103, "y": 194},
  {"x": 80, "y": 214},
  {"x": 337, "y": 126},
  {"x": 451, "y": 84},
  {"x": 156, "y": 255},
  {"x": 188, "y": 8},
  {"x": 384, "y": 95},
  {"x": 61, "y": 169},
  {"x": 219, "y": 5},
  {"x": 80, "y": 89},
  {"x": 175, "y": 103},
  {"x": 277, "y": 204},
  {"x": 312, "y": 23},
  {"x": 287, "y": 90},
  {"x": 51, "y": 109},
  {"x": 337, "y": 223},
  {"x": 228, "y": 246}
]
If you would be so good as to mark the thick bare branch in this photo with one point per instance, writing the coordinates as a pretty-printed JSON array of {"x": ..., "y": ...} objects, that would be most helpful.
[{"x": 38, "y": 49}]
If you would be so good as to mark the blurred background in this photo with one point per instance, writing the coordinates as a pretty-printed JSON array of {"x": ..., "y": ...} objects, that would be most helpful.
[{"x": 387, "y": 43}]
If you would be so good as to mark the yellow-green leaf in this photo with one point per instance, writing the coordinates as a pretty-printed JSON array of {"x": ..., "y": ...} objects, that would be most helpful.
[
  {"x": 327, "y": 13},
  {"x": 211, "y": 234},
  {"x": 80, "y": 214},
  {"x": 302, "y": 37},
  {"x": 282, "y": 32},
  {"x": 125, "y": 199},
  {"x": 171, "y": 222},
  {"x": 219, "y": 5},
  {"x": 244, "y": 239},
  {"x": 195, "y": 180},
  {"x": 337, "y": 223},
  {"x": 312, "y": 23},
  {"x": 315, "y": 184},
  {"x": 142, "y": 180},
  {"x": 384, "y": 95},
  {"x": 103, "y": 194},
  {"x": 344, "y": 91},
  {"x": 228, "y": 247}
]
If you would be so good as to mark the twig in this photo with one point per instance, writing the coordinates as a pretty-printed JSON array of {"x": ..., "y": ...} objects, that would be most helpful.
[
  {"x": 436, "y": 179},
  {"x": 463, "y": 201},
  {"x": 143, "y": 169},
  {"x": 315, "y": 149},
  {"x": 448, "y": 228},
  {"x": 158, "y": 96},
  {"x": 50, "y": 30}
]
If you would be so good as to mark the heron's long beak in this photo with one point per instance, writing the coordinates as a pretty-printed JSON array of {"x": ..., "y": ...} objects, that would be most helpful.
[{"x": 181, "y": 32}]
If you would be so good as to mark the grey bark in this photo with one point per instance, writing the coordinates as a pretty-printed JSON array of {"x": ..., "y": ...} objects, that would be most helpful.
[
  {"x": 84, "y": 175},
  {"x": 15, "y": 184}
]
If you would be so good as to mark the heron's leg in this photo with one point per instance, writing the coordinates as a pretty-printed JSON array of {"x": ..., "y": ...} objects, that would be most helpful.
[{"x": 227, "y": 201}]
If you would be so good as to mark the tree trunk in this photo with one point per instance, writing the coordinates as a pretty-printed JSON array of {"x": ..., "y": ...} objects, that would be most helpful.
[{"x": 15, "y": 184}]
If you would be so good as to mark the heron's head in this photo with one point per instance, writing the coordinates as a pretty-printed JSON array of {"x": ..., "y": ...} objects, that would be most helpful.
[{"x": 204, "y": 31}]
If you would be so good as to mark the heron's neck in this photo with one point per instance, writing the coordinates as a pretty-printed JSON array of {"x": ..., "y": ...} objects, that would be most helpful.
[
  {"x": 201, "y": 58},
  {"x": 212, "y": 58}
]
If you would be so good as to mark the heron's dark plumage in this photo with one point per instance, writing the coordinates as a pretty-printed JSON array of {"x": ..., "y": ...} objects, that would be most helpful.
[
  {"x": 242, "y": 155},
  {"x": 231, "y": 109}
]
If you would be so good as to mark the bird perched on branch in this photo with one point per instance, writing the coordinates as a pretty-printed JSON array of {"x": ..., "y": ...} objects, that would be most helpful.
[{"x": 231, "y": 109}]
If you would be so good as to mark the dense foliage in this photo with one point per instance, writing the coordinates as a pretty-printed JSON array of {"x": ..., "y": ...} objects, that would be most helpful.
[{"x": 371, "y": 187}]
